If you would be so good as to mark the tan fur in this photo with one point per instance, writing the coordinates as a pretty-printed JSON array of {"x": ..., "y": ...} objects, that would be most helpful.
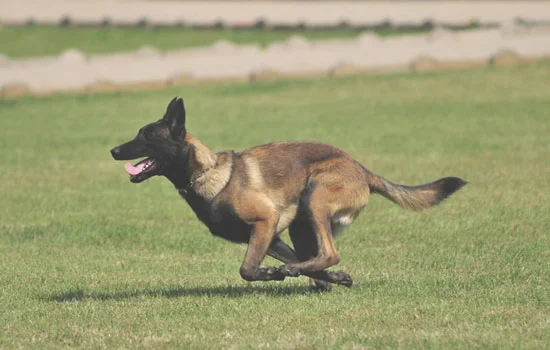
[
  {"x": 275, "y": 180},
  {"x": 254, "y": 174},
  {"x": 203, "y": 156},
  {"x": 214, "y": 179},
  {"x": 315, "y": 187},
  {"x": 411, "y": 198},
  {"x": 213, "y": 171},
  {"x": 285, "y": 218}
]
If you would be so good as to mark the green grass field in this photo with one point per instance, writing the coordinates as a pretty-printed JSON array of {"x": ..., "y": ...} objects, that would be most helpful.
[
  {"x": 89, "y": 260},
  {"x": 23, "y": 41}
]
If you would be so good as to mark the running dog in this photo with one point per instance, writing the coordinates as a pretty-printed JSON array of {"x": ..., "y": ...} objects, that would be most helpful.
[{"x": 312, "y": 189}]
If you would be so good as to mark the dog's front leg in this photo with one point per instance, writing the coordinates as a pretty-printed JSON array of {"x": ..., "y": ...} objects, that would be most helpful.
[{"x": 258, "y": 245}]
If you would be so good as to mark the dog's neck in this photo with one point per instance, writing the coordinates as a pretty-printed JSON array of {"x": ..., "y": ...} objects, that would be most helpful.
[
  {"x": 199, "y": 171},
  {"x": 201, "y": 158}
]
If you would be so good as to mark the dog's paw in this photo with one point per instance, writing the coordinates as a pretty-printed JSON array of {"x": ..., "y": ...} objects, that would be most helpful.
[
  {"x": 290, "y": 271},
  {"x": 342, "y": 278},
  {"x": 273, "y": 273}
]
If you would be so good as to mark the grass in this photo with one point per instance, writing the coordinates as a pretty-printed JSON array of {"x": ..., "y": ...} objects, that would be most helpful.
[
  {"x": 24, "y": 41},
  {"x": 89, "y": 260}
]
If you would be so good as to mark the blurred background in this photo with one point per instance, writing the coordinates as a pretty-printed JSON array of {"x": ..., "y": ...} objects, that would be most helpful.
[{"x": 72, "y": 45}]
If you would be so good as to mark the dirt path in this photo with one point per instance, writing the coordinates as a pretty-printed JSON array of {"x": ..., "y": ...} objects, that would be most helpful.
[{"x": 283, "y": 13}]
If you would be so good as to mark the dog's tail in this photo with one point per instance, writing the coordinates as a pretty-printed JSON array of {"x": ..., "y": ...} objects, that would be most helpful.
[{"x": 416, "y": 197}]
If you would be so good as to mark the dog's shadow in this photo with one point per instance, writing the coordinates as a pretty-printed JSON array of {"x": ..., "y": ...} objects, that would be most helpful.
[{"x": 80, "y": 294}]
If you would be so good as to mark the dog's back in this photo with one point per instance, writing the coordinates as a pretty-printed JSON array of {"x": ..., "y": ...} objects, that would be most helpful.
[{"x": 283, "y": 172}]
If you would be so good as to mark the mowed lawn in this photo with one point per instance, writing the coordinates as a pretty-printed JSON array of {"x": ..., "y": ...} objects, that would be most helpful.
[
  {"x": 24, "y": 41},
  {"x": 90, "y": 260}
]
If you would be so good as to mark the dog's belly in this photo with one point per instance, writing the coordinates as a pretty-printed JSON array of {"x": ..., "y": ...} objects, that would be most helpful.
[{"x": 340, "y": 222}]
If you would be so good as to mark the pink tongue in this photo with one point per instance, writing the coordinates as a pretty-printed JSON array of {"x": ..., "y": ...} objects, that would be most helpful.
[{"x": 134, "y": 170}]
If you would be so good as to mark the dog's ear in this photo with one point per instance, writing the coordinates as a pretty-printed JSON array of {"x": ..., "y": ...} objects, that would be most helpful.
[
  {"x": 170, "y": 105},
  {"x": 175, "y": 117}
]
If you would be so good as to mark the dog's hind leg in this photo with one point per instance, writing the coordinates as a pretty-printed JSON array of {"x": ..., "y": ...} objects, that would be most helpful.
[
  {"x": 284, "y": 253},
  {"x": 312, "y": 236},
  {"x": 304, "y": 241}
]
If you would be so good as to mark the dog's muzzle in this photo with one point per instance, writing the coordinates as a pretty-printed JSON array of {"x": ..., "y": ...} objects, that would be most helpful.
[{"x": 115, "y": 152}]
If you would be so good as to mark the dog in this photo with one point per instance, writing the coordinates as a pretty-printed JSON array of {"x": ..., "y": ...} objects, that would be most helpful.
[{"x": 312, "y": 189}]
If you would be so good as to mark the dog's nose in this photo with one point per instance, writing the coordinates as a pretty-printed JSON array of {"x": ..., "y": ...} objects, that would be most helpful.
[{"x": 115, "y": 152}]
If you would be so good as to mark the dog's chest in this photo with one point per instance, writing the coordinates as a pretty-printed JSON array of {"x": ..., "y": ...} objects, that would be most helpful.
[
  {"x": 220, "y": 218},
  {"x": 225, "y": 223}
]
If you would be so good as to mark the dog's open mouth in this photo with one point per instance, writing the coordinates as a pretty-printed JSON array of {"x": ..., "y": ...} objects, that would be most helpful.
[{"x": 143, "y": 170}]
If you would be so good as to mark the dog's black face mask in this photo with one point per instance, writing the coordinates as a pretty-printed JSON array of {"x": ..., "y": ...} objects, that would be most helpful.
[{"x": 161, "y": 142}]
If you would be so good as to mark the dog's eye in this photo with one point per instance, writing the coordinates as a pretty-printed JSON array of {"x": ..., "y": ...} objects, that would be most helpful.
[{"x": 143, "y": 133}]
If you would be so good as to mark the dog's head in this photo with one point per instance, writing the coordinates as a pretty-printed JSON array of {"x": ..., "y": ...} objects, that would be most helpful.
[{"x": 161, "y": 142}]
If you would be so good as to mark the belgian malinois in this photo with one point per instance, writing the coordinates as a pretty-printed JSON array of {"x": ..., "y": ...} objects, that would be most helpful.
[{"x": 312, "y": 189}]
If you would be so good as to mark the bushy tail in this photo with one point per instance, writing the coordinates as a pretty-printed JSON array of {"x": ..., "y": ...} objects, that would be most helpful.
[{"x": 416, "y": 197}]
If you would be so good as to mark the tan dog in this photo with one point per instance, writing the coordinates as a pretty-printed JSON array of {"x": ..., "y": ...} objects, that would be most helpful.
[{"x": 312, "y": 189}]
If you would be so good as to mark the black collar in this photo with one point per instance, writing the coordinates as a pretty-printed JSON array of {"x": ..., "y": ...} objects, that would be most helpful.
[{"x": 185, "y": 190}]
